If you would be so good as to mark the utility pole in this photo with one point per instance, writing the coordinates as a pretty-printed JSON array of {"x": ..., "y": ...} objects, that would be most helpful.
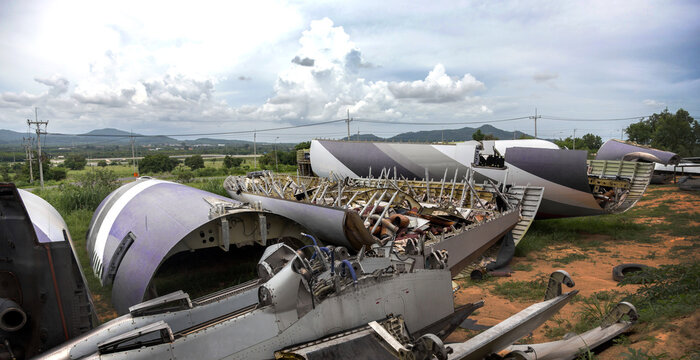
[
  {"x": 28, "y": 149},
  {"x": 348, "y": 120},
  {"x": 133, "y": 153},
  {"x": 574, "y": 139},
  {"x": 277, "y": 169},
  {"x": 535, "y": 118},
  {"x": 38, "y": 140},
  {"x": 622, "y": 136},
  {"x": 255, "y": 151}
]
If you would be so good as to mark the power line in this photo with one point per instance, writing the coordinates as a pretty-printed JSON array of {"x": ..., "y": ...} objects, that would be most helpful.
[
  {"x": 436, "y": 123},
  {"x": 207, "y": 134},
  {"x": 574, "y": 119}
]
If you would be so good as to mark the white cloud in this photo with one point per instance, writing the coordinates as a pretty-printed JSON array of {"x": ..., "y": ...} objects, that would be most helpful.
[
  {"x": 437, "y": 87},
  {"x": 653, "y": 103},
  {"x": 333, "y": 83}
]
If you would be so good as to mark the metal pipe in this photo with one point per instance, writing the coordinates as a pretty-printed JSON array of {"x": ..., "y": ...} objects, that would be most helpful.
[
  {"x": 366, "y": 204},
  {"x": 12, "y": 317},
  {"x": 386, "y": 208}
]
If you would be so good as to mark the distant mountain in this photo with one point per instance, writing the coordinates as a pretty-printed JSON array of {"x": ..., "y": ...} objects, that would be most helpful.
[
  {"x": 108, "y": 136},
  {"x": 463, "y": 134},
  {"x": 364, "y": 137}
]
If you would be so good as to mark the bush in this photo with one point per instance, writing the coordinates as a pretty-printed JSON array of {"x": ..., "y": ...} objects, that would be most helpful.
[
  {"x": 230, "y": 162},
  {"x": 666, "y": 292},
  {"x": 75, "y": 162},
  {"x": 183, "y": 175},
  {"x": 206, "y": 172},
  {"x": 56, "y": 173},
  {"x": 195, "y": 162},
  {"x": 85, "y": 194},
  {"x": 157, "y": 163},
  {"x": 101, "y": 163}
]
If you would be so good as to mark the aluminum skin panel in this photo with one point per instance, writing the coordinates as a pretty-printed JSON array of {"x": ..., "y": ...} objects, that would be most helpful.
[
  {"x": 40, "y": 274},
  {"x": 616, "y": 150},
  {"x": 562, "y": 173},
  {"x": 44, "y": 217}
]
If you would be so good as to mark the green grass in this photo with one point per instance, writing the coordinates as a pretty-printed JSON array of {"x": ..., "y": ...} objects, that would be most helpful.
[
  {"x": 522, "y": 290},
  {"x": 570, "y": 258},
  {"x": 570, "y": 231},
  {"x": 666, "y": 292},
  {"x": 522, "y": 267}
]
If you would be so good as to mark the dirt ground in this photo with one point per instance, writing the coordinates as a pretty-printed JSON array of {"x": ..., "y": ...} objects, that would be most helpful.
[{"x": 594, "y": 274}]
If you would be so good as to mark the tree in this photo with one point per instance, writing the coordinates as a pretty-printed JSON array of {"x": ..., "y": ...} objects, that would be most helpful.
[
  {"x": 75, "y": 162},
  {"x": 678, "y": 132},
  {"x": 479, "y": 136},
  {"x": 591, "y": 142},
  {"x": 195, "y": 162},
  {"x": 230, "y": 162},
  {"x": 303, "y": 145},
  {"x": 157, "y": 163},
  {"x": 101, "y": 163}
]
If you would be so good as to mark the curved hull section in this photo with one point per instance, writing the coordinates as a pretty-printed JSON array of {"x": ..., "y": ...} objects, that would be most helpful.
[
  {"x": 564, "y": 174},
  {"x": 620, "y": 150},
  {"x": 143, "y": 223}
]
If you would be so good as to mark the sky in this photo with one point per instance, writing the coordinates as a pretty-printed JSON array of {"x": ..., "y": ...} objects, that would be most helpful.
[{"x": 169, "y": 67}]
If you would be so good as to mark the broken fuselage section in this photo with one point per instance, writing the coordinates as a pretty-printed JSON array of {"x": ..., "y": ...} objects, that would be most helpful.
[
  {"x": 574, "y": 186},
  {"x": 142, "y": 224},
  {"x": 416, "y": 219}
]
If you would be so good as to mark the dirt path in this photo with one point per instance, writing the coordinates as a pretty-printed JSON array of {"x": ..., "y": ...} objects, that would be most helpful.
[{"x": 592, "y": 273}]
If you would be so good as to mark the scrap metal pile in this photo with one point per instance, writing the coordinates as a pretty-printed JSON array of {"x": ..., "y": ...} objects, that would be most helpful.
[
  {"x": 446, "y": 215},
  {"x": 321, "y": 303}
]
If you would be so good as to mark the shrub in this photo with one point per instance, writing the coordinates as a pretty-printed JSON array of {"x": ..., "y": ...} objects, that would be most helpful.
[
  {"x": 75, "y": 162},
  {"x": 86, "y": 193},
  {"x": 157, "y": 163},
  {"x": 195, "y": 162}
]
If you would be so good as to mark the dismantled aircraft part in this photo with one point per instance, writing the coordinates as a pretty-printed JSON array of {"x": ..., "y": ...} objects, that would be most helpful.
[
  {"x": 536, "y": 162},
  {"x": 335, "y": 226},
  {"x": 689, "y": 183},
  {"x": 572, "y": 346},
  {"x": 387, "y": 210},
  {"x": 556, "y": 279},
  {"x": 43, "y": 297},
  {"x": 619, "y": 199},
  {"x": 305, "y": 298},
  {"x": 620, "y": 271},
  {"x": 614, "y": 149},
  {"x": 505, "y": 333},
  {"x": 142, "y": 224},
  {"x": 438, "y": 198},
  {"x": 444, "y": 327},
  {"x": 386, "y": 339},
  {"x": 505, "y": 253},
  {"x": 12, "y": 317}
]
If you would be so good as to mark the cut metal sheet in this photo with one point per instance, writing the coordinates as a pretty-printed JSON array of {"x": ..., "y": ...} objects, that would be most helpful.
[
  {"x": 44, "y": 300},
  {"x": 614, "y": 149}
]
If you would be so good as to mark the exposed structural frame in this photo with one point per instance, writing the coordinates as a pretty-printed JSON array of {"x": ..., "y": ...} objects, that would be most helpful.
[{"x": 340, "y": 212}]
